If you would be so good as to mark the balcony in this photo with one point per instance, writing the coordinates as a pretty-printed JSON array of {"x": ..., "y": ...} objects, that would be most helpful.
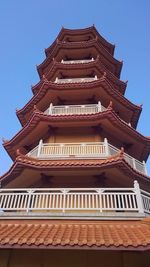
[
  {"x": 76, "y": 80},
  {"x": 75, "y": 202},
  {"x": 97, "y": 150},
  {"x": 74, "y": 109},
  {"x": 82, "y": 61}
]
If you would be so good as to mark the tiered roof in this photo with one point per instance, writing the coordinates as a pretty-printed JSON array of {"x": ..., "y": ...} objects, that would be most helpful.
[
  {"x": 112, "y": 122},
  {"x": 39, "y": 124}
]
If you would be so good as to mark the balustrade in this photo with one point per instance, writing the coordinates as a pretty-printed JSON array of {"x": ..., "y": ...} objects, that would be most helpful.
[
  {"x": 75, "y": 61},
  {"x": 99, "y": 150},
  {"x": 76, "y": 80},
  {"x": 146, "y": 201},
  {"x": 75, "y": 109},
  {"x": 67, "y": 200}
]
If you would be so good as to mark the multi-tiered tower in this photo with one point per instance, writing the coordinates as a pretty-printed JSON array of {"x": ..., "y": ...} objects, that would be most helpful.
[{"x": 79, "y": 177}]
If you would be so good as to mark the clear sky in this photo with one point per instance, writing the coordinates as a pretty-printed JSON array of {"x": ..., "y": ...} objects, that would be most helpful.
[{"x": 28, "y": 27}]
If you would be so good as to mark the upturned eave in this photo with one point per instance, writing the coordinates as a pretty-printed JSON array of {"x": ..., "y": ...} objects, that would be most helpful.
[
  {"x": 75, "y": 32},
  {"x": 106, "y": 57},
  {"x": 47, "y": 86},
  {"x": 128, "y": 134},
  {"x": 23, "y": 162},
  {"x": 100, "y": 69}
]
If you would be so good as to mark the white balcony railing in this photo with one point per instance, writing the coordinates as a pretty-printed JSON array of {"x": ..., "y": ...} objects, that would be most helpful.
[
  {"x": 76, "y": 80},
  {"x": 99, "y": 150},
  {"x": 73, "y": 201},
  {"x": 75, "y": 109},
  {"x": 75, "y": 61},
  {"x": 146, "y": 201}
]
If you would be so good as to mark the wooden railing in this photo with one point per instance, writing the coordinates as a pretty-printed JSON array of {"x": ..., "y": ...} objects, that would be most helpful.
[
  {"x": 67, "y": 200},
  {"x": 74, "y": 109},
  {"x": 99, "y": 150},
  {"x": 75, "y": 61},
  {"x": 76, "y": 80}
]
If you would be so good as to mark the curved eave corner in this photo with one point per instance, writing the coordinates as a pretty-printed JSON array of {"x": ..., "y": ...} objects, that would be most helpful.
[{"x": 110, "y": 47}]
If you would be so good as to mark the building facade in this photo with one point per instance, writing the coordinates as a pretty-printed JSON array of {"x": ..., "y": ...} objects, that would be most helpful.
[{"x": 78, "y": 192}]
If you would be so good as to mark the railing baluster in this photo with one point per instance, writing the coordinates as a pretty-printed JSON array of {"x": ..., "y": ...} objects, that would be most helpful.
[{"x": 74, "y": 199}]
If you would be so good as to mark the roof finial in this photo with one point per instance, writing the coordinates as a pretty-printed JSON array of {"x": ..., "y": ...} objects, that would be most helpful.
[
  {"x": 104, "y": 74},
  {"x": 121, "y": 152},
  {"x": 4, "y": 140},
  {"x": 18, "y": 153},
  {"x": 110, "y": 105},
  {"x": 35, "y": 109}
]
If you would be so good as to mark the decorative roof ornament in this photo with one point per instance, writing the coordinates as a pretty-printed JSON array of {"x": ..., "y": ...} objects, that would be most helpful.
[
  {"x": 35, "y": 109},
  {"x": 18, "y": 153},
  {"x": 121, "y": 152},
  {"x": 110, "y": 105},
  {"x": 4, "y": 140}
]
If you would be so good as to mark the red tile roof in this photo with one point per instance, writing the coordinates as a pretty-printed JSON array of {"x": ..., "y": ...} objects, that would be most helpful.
[
  {"x": 118, "y": 161},
  {"x": 108, "y": 115},
  {"x": 128, "y": 235}
]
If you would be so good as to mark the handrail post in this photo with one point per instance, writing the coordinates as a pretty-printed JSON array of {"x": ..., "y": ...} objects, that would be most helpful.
[
  {"x": 29, "y": 200},
  {"x": 39, "y": 148},
  {"x": 50, "y": 109},
  {"x": 106, "y": 147},
  {"x": 64, "y": 191},
  {"x": 56, "y": 80},
  {"x": 100, "y": 191},
  {"x": 134, "y": 165},
  {"x": 138, "y": 197},
  {"x": 145, "y": 169},
  {"x": 99, "y": 106}
]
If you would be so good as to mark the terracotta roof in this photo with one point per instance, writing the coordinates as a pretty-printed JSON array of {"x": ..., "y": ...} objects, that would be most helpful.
[
  {"x": 108, "y": 60},
  {"x": 109, "y": 115},
  {"x": 75, "y": 32},
  {"x": 117, "y": 161},
  {"x": 127, "y": 235},
  {"x": 97, "y": 63},
  {"x": 47, "y": 86}
]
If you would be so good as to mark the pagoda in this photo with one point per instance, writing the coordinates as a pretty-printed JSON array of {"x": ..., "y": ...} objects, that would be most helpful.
[{"x": 78, "y": 182}]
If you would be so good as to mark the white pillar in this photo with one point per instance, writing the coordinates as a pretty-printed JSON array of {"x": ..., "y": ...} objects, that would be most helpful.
[
  {"x": 99, "y": 106},
  {"x": 106, "y": 147},
  {"x": 144, "y": 167},
  {"x": 50, "y": 109},
  {"x": 56, "y": 80},
  {"x": 30, "y": 192},
  {"x": 64, "y": 199},
  {"x": 134, "y": 164},
  {"x": 39, "y": 148},
  {"x": 138, "y": 197}
]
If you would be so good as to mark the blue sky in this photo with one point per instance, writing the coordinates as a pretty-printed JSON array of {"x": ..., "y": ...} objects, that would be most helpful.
[{"x": 28, "y": 27}]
